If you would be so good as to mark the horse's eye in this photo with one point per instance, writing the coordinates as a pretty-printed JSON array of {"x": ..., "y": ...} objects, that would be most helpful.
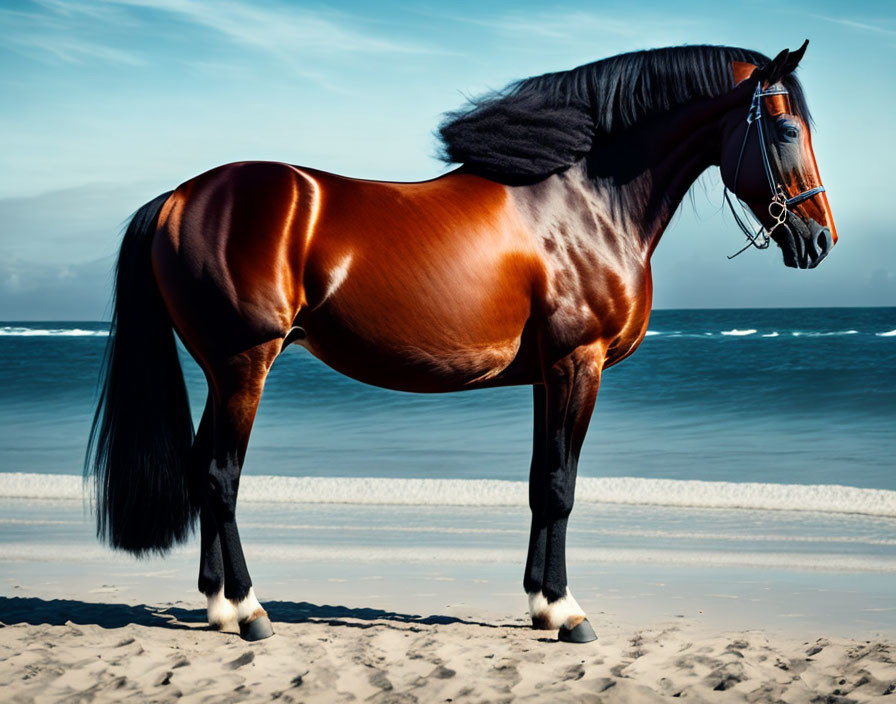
[{"x": 789, "y": 131}]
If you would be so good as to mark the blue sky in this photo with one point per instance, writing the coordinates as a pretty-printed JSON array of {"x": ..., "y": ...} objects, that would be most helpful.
[{"x": 106, "y": 103}]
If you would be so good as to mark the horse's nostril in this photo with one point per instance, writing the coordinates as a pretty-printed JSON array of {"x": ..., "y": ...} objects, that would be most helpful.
[{"x": 824, "y": 241}]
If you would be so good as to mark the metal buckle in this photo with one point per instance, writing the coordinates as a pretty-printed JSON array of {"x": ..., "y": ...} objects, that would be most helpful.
[{"x": 777, "y": 209}]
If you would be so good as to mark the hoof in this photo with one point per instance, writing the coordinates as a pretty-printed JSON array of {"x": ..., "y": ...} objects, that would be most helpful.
[
  {"x": 258, "y": 629},
  {"x": 583, "y": 633}
]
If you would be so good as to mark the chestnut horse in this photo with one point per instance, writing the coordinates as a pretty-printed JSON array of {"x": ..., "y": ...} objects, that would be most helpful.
[{"x": 529, "y": 264}]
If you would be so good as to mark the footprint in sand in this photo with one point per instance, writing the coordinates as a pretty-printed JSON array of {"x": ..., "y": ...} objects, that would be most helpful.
[{"x": 242, "y": 660}]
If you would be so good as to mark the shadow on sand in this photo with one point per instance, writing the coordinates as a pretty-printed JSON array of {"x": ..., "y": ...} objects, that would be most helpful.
[{"x": 58, "y": 612}]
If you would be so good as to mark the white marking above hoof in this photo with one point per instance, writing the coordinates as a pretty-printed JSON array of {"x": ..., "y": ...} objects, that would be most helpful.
[
  {"x": 249, "y": 609},
  {"x": 227, "y": 615},
  {"x": 549, "y": 616},
  {"x": 222, "y": 613}
]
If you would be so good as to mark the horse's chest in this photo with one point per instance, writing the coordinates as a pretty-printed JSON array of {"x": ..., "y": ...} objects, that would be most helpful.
[
  {"x": 604, "y": 302},
  {"x": 633, "y": 330}
]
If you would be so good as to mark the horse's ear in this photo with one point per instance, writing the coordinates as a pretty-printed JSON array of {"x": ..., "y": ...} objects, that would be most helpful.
[
  {"x": 774, "y": 70},
  {"x": 782, "y": 65},
  {"x": 794, "y": 58}
]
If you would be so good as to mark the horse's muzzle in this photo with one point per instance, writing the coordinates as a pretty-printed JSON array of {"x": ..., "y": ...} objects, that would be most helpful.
[{"x": 804, "y": 243}]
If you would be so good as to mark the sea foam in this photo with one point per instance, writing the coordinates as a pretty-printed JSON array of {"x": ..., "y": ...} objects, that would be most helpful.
[
  {"x": 16, "y": 331},
  {"x": 26, "y": 331},
  {"x": 827, "y": 498}
]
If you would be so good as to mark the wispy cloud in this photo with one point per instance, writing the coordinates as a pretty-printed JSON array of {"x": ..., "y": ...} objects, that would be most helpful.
[
  {"x": 75, "y": 51},
  {"x": 53, "y": 31},
  {"x": 577, "y": 25},
  {"x": 99, "y": 29},
  {"x": 862, "y": 26},
  {"x": 283, "y": 29}
]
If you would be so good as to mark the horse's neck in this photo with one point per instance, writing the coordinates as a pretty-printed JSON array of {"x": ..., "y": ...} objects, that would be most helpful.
[
  {"x": 674, "y": 172},
  {"x": 618, "y": 202},
  {"x": 569, "y": 215},
  {"x": 608, "y": 212},
  {"x": 647, "y": 170}
]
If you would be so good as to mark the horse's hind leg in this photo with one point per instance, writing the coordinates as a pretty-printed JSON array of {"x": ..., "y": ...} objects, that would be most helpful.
[
  {"x": 235, "y": 386},
  {"x": 563, "y": 409},
  {"x": 221, "y": 612}
]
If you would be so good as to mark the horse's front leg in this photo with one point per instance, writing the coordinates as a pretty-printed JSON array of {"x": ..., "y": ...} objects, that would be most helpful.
[{"x": 563, "y": 409}]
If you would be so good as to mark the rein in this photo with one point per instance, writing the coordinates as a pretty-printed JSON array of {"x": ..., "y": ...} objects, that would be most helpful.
[{"x": 780, "y": 204}]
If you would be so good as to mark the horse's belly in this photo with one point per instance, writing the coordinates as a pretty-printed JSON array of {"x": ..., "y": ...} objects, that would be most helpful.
[
  {"x": 413, "y": 334},
  {"x": 409, "y": 362},
  {"x": 409, "y": 367}
]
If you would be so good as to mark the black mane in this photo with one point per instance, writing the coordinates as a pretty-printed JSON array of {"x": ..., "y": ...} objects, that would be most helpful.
[{"x": 542, "y": 125}]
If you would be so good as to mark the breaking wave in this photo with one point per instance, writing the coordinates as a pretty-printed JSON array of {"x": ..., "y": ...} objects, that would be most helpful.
[
  {"x": 19, "y": 331},
  {"x": 101, "y": 330},
  {"x": 826, "y": 498}
]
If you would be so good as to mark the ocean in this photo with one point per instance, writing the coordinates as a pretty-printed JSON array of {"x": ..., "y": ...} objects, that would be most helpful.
[
  {"x": 784, "y": 396},
  {"x": 734, "y": 448}
]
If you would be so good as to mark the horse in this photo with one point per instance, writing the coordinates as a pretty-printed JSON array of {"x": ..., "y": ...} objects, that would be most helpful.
[{"x": 529, "y": 263}]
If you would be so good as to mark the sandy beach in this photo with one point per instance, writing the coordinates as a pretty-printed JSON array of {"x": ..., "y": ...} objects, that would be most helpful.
[
  {"x": 402, "y": 604},
  {"x": 52, "y": 650}
]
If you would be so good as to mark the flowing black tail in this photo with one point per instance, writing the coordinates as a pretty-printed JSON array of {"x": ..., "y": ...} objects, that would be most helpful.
[{"x": 139, "y": 445}]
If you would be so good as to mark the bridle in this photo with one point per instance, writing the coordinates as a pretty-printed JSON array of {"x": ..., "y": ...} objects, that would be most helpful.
[{"x": 780, "y": 204}]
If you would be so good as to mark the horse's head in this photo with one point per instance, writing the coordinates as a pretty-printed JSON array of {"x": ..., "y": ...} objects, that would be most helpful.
[{"x": 767, "y": 162}]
